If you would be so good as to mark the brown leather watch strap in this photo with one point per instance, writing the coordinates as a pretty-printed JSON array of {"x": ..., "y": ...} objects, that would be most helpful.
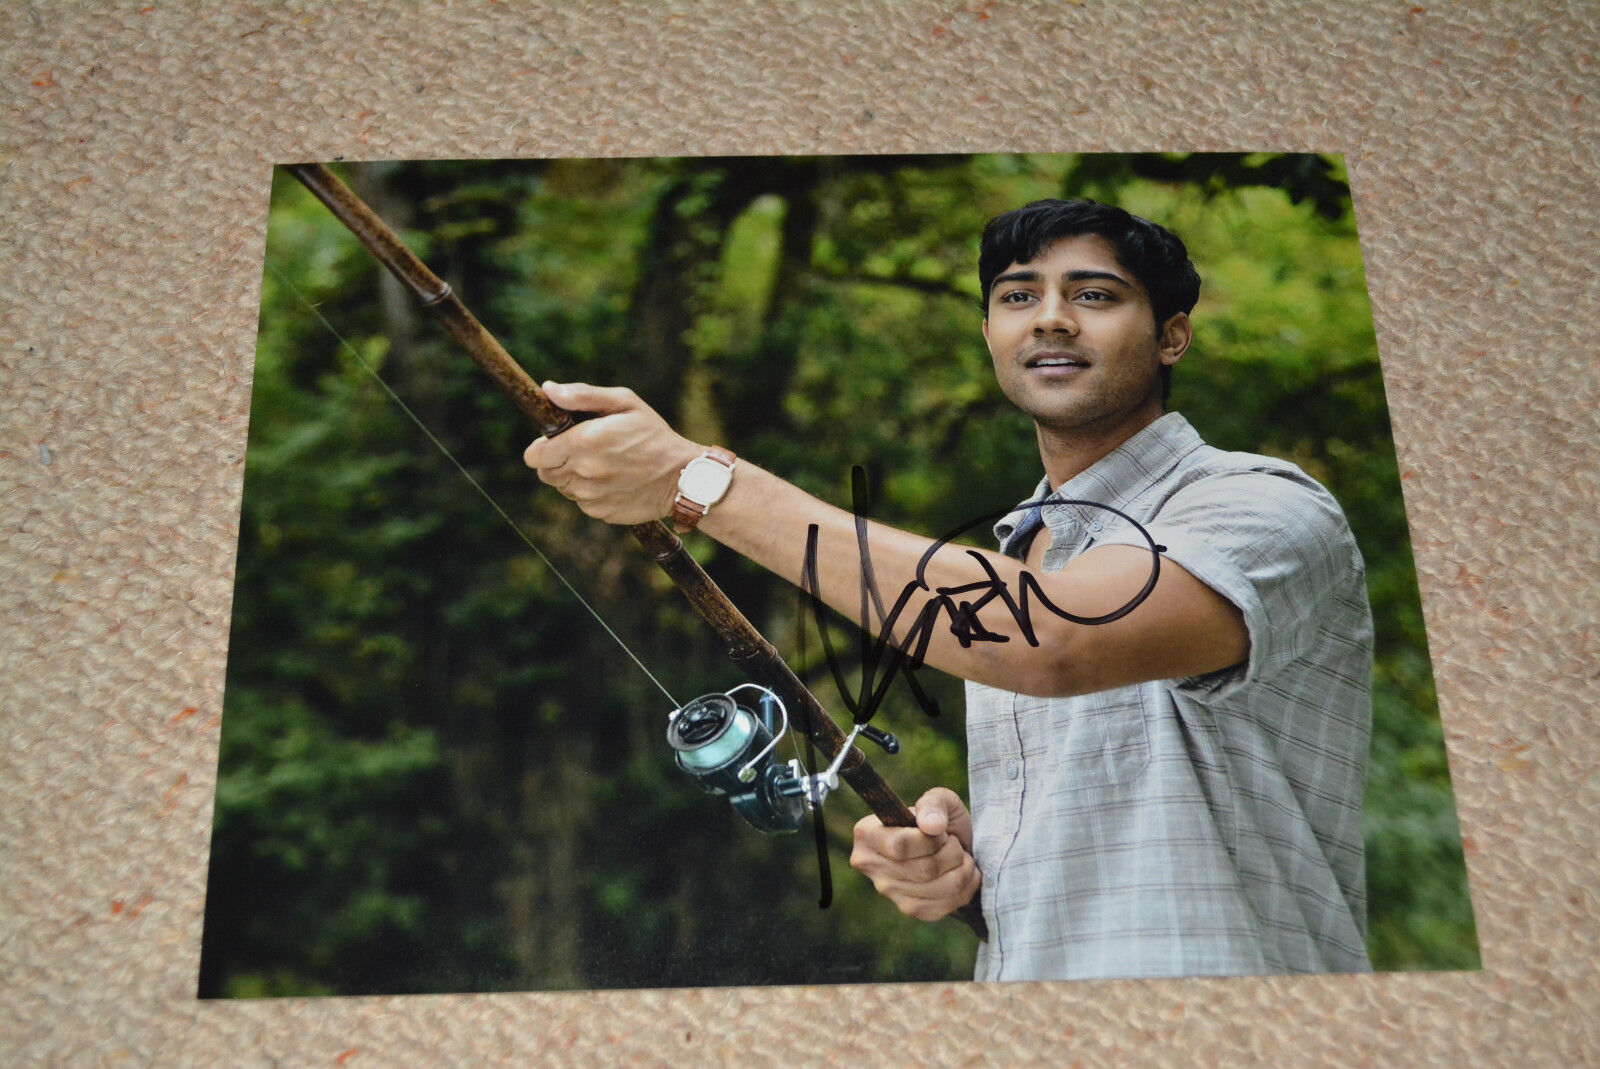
[{"x": 686, "y": 514}]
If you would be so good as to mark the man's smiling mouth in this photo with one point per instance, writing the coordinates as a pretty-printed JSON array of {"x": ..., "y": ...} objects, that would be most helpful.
[{"x": 1054, "y": 360}]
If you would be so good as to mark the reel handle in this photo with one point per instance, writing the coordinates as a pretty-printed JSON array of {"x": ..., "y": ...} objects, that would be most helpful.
[{"x": 890, "y": 744}]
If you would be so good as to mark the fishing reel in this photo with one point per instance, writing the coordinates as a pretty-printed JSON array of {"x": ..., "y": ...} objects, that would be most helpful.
[{"x": 728, "y": 749}]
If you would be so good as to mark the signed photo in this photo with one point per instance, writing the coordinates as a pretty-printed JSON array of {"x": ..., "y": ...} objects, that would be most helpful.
[{"x": 1094, "y": 447}]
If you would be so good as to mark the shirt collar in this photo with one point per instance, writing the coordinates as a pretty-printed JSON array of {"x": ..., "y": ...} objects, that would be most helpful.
[{"x": 1112, "y": 480}]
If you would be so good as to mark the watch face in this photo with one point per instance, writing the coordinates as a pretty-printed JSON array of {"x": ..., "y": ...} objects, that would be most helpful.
[{"x": 704, "y": 481}]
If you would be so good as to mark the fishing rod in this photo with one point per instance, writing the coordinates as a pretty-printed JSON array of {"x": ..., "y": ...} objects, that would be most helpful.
[{"x": 712, "y": 734}]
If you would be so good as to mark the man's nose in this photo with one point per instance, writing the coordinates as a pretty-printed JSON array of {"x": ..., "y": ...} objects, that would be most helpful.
[{"x": 1055, "y": 314}]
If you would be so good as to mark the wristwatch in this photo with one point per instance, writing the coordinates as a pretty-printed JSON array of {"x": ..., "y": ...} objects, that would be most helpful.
[{"x": 701, "y": 484}]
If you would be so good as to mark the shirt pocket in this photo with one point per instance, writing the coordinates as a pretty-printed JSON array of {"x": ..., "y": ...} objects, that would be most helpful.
[{"x": 1098, "y": 740}]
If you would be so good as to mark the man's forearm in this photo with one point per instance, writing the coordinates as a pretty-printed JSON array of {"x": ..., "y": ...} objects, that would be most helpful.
[{"x": 769, "y": 521}]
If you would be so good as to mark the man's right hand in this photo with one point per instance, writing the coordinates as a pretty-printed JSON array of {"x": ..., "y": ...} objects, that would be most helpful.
[{"x": 926, "y": 871}]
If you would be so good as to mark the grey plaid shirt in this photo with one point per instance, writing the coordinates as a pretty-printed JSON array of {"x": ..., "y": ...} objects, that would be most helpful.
[{"x": 1184, "y": 827}]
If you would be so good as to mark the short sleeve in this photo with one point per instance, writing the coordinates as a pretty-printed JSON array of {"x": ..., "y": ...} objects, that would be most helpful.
[{"x": 1271, "y": 541}]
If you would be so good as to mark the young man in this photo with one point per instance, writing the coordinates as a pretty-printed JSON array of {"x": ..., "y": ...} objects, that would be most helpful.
[{"x": 1174, "y": 792}]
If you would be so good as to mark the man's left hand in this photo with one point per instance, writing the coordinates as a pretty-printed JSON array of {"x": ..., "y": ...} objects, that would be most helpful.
[
  {"x": 622, "y": 466},
  {"x": 927, "y": 871}
]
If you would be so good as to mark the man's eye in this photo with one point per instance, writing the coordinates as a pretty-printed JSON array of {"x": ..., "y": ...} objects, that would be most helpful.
[{"x": 1014, "y": 297}]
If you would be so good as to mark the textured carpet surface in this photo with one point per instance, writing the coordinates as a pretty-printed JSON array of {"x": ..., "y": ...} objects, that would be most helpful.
[{"x": 136, "y": 144}]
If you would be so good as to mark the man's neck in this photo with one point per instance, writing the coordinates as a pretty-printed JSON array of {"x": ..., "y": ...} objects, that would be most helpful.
[{"x": 1067, "y": 454}]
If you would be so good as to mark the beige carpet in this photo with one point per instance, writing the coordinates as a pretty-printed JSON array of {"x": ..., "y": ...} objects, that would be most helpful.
[{"x": 137, "y": 143}]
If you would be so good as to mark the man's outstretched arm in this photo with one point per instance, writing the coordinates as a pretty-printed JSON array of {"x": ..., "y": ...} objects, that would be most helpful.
[{"x": 622, "y": 467}]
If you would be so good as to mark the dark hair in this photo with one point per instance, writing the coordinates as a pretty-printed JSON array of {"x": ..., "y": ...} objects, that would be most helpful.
[{"x": 1154, "y": 255}]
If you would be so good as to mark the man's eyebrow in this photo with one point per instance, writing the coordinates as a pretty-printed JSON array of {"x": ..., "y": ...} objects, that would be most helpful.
[{"x": 1084, "y": 276}]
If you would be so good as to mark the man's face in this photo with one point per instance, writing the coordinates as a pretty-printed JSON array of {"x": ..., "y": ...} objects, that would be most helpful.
[{"x": 1074, "y": 340}]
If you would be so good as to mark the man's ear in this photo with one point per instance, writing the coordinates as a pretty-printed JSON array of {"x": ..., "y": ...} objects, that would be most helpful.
[
  {"x": 986, "y": 330},
  {"x": 1176, "y": 334}
]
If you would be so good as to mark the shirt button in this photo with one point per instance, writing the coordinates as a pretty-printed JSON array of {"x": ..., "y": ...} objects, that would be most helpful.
[
  {"x": 1095, "y": 526},
  {"x": 1013, "y": 768}
]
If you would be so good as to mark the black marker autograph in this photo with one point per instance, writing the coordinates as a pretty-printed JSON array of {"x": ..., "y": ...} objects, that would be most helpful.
[{"x": 962, "y": 604}]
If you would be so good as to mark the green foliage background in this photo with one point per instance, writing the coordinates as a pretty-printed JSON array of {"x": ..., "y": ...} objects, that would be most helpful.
[{"x": 438, "y": 773}]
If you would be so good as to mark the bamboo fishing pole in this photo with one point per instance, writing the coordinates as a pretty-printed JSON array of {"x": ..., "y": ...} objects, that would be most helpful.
[{"x": 746, "y": 646}]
